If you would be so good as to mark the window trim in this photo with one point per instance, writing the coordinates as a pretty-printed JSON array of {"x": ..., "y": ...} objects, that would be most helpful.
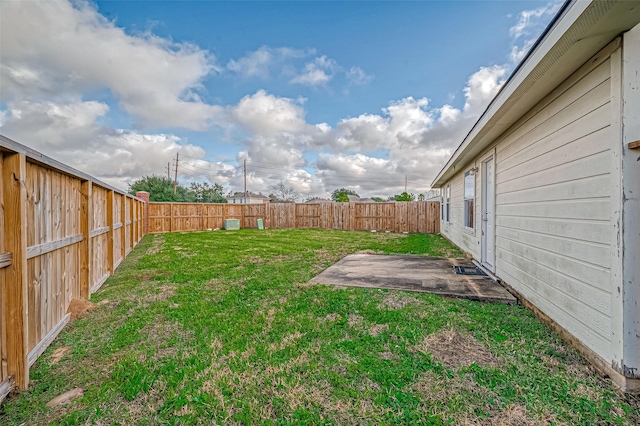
[
  {"x": 447, "y": 203},
  {"x": 465, "y": 216}
]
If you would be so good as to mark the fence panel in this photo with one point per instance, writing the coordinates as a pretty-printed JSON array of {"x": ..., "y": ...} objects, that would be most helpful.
[
  {"x": 214, "y": 215},
  {"x": 53, "y": 234},
  {"x": 251, "y": 213},
  {"x": 307, "y": 215},
  {"x": 100, "y": 230},
  {"x": 159, "y": 217},
  {"x": 127, "y": 225},
  {"x": 118, "y": 231}
]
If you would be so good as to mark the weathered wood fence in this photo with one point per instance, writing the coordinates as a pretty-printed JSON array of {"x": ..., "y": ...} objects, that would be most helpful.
[
  {"x": 62, "y": 233},
  {"x": 415, "y": 216}
]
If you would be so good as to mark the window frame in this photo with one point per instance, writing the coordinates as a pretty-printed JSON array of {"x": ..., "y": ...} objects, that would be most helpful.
[
  {"x": 468, "y": 216},
  {"x": 447, "y": 203}
]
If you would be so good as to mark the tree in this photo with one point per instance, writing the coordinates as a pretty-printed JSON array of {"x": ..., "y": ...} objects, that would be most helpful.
[
  {"x": 341, "y": 195},
  {"x": 160, "y": 188},
  {"x": 405, "y": 196},
  {"x": 282, "y": 193},
  {"x": 420, "y": 197},
  {"x": 205, "y": 193},
  {"x": 378, "y": 199},
  {"x": 341, "y": 198}
]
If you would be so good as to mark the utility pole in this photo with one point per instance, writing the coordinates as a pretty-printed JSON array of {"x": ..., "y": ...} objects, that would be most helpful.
[
  {"x": 244, "y": 162},
  {"x": 168, "y": 170},
  {"x": 406, "y": 178},
  {"x": 175, "y": 180}
]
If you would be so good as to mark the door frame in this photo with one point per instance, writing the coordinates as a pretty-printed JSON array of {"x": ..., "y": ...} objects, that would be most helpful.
[{"x": 483, "y": 208}]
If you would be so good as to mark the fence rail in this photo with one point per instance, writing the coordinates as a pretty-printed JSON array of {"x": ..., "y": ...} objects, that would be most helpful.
[
  {"x": 62, "y": 233},
  {"x": 415, "y": 216}
]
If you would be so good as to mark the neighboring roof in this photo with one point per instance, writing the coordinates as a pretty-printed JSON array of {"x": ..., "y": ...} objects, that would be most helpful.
[
  {"x": 579, "y": 31},
  {"x": 240, "y": 195},
  {"x": 353, "y": 197},
  {"x": 318, "y": 200}
]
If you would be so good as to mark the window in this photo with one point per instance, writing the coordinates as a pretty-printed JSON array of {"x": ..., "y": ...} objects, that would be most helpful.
[
  {"x": 469, "y": 196},
  {"x": 447, "y": 202}
]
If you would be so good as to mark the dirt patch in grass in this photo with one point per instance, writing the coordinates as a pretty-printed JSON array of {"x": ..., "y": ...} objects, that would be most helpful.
[
  {"x": 156, "y": 244},
  {"x": 376, "y": 329},
  {"x": 454, "y": 350},
  {"x": 516, "y": 415},
  {"x": 288, "y": 340},
  {"x": 330, "y": 318},
  {"x": 393, "y": 301},
  {"x": 269, "y": 315},
  {"x": 158, "y": 335},
  {"x": 58, "y": 354},
  {"x": 79, "y": 307},
  {"x": 388, "y": 355},
  {"x": 162, "y": 293},
  {"x": 370, "y": 252},
  {"x": 355, "y": 321},
  {"x": 442, "y": 395}
]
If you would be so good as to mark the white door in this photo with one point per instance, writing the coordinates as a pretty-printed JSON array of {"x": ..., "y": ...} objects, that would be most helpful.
[{"x": 488, "y": 217}]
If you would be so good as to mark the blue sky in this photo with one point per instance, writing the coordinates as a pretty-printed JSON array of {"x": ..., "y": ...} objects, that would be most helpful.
[{"x": 315, "y": 94}]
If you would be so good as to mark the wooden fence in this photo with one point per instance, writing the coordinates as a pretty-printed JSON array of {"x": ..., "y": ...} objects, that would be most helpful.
[
  {"x": 415, "y": 216},
  {"x": 62, "y": 233}
]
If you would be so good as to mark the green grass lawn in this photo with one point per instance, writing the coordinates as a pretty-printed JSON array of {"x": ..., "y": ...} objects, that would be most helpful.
[{"x": 221, "y": 328}]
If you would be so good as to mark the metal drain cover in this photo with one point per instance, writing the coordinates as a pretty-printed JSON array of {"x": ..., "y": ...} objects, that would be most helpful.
[{"x": 468, "y": 270}]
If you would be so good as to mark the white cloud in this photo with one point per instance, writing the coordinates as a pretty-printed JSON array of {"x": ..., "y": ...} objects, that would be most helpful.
[
  {"x": 482, "y": 87},
  {"x": 519, "y": 52},
  {"x": 358, "y": 77},
  {"x": 265, "y": 114},
  {"x": 53, "y": 50},
  {"x": 259, "y": 63},
  {"x": 371, "y": 153},
  {"x": 69, "y": 133},
  {"x": 528, "y": 20},
  {"x": 449, "y": 115},
  {"x": 267, "y": 61},
  {"x": 528, "y": 27},
  {"x": 318, "y": 72}
]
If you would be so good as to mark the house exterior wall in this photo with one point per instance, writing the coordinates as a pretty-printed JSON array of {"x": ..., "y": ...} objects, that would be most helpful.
[
  {"x": 249, "y": 200},
  {"x": 553, "y": 205}
]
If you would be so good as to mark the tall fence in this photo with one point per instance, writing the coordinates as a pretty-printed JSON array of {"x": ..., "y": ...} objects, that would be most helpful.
[
  {"x": 415, "y": 216},
  {"x": 62, "y": 234}
]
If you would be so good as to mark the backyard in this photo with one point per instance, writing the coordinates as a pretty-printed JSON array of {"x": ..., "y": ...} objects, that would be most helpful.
[{"x": 222, "y": 328}]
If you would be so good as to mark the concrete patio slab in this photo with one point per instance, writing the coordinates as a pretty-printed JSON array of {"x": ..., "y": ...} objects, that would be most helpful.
[{"x": 413, "y": 273}]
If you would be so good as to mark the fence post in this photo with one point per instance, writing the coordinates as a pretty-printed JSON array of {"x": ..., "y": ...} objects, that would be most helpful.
[
  {"x": 144, "y": 196},
  {"x": 14, "y": 172},
  {"x": 86, "y": 246},
  {"x": 110, "y": 222}
]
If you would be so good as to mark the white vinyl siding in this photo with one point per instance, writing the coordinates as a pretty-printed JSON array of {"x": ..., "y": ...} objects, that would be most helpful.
[{"x": 553, "y": 208}]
